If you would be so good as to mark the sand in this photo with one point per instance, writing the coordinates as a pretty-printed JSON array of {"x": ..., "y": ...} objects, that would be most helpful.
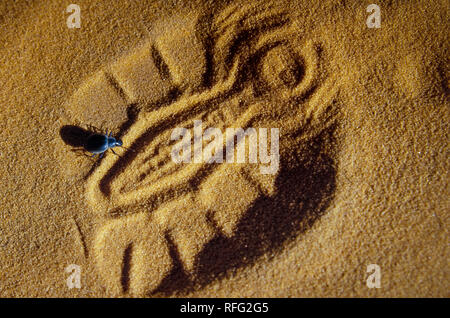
[{"x": 363, "y": 117}]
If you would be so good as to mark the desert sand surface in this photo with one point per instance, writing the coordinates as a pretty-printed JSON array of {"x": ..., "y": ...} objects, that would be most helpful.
[{"x": 362, "y": 176}]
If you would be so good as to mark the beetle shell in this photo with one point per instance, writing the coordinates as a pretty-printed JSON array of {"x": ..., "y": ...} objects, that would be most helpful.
[{"x": 97, "y": 143}]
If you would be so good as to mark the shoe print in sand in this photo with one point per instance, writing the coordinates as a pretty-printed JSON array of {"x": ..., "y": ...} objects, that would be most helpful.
[{"x": 242, "y": 72}]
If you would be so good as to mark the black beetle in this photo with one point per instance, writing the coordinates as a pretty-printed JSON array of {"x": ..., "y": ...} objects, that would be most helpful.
[{"x": 99, "y": 143}]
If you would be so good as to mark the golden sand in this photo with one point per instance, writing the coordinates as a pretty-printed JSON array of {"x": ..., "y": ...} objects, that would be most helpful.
[{"x": 363, "y": 116}]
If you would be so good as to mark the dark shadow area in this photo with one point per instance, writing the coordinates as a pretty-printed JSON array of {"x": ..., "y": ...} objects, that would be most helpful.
[
  {"x": 160, "y": 64},
  {"x": 177, "y": 273},
  {"x": 74, "y": 136},
  {"x": 203, "y": 34},
  {"x": 304, "y": 191},
  {"x": 132, "y": 113},
  {"x": 126, "y": 266}
]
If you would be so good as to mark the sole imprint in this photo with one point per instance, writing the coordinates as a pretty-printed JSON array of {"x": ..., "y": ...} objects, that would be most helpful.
[{"x": 227, "y": 78}]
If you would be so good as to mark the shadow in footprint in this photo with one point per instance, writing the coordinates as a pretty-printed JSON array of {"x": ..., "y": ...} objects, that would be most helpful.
[{"x": 304, "y": 192}]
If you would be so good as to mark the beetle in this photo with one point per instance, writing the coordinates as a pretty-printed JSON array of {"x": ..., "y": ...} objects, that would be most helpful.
[{"x": 99, "y": 143}]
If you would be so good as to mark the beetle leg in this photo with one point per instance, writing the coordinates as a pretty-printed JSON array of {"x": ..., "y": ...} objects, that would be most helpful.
[{"x": 114, "y": 152}]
